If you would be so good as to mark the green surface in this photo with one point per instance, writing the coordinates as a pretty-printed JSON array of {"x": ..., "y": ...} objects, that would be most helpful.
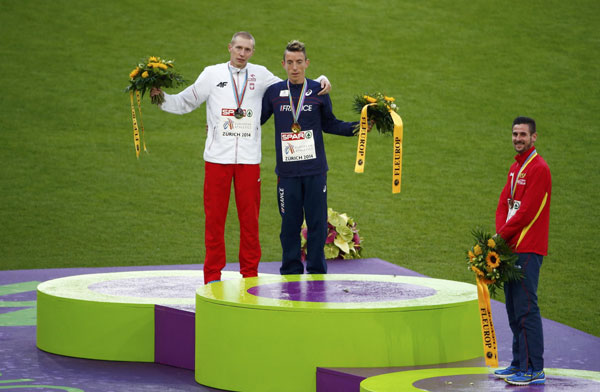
[
  {"x": 73, "y": 195},
  {"x": 95, "y": 330},
  {"x": 403, "y": 381},
  {"x": 275, "y": 349},
  {"x": 235, "y": 293}
]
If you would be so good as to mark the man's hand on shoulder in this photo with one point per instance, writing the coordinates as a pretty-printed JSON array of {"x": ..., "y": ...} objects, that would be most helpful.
[{"x": 325, "y": 85}]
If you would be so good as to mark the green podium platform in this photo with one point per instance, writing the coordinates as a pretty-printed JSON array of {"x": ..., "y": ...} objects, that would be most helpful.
[{"x": 271, "y": 333}]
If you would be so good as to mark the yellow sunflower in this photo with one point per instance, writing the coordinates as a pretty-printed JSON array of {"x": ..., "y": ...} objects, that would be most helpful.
[
  {"x": 492, "y": 260},
  {"x": 145, "y": 74},
  {"x": 370, "y": 99},
  {"x": 477, "y": 250},
  {"x": 153, "y": 59},
  {"x": 471, "y": 256},
  {"x": 491, "y": 243}
]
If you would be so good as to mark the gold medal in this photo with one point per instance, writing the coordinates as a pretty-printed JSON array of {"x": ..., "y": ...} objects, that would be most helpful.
[{"x": 297, "y": 110}]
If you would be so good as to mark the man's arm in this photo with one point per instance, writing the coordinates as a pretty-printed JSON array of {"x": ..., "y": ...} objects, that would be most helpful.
[
  {"x": 330, "y": 124},
  {"x": 325, "y": 84},
  {"x": 502, "y": 208},
  {"x": 187, "y": 100},
  {"x": 267, "y": 107}
]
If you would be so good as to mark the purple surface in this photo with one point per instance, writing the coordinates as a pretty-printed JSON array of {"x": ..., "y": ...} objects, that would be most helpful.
[
  {"x": 25, "y": 296},
  {"x": 174, "y": 337},
  {"x": 329, "y": 380},
  {"x": 566, "y": 347},
  {"x": 341, "y": 291}
]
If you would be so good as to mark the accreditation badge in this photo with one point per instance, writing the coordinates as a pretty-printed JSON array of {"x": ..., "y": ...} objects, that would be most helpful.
[
  {"x": 514, "y": 207},
  {"x": 298, "y": 146},
  {"x": 231, "y": 126}
]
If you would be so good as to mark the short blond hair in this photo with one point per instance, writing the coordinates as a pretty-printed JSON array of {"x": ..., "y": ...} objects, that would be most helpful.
[
  {"x": 243, "y": 34},
  {"x": 295, "y": 46}
]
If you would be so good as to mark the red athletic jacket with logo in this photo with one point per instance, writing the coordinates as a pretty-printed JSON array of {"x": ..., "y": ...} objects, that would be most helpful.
[{"x": 525, "y": 225}]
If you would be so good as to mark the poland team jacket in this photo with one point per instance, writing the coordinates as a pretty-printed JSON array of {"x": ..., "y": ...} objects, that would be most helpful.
[{"x": 229, "y": 140}]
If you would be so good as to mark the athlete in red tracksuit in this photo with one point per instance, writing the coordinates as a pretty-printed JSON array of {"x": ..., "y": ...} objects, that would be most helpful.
[
  {"x": 233, "y": 94},
  {"x": 522, "y": 219}
]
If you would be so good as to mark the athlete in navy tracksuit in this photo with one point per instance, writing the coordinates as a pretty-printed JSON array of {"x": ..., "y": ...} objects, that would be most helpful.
[{"x": 301, "y": 162}]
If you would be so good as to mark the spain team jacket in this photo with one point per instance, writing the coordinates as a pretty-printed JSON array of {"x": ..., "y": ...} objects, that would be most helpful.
[{"x": 525, "y": 225}]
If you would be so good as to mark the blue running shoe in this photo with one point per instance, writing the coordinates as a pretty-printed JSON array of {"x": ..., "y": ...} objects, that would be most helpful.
[
  {"x": 527, "y": 378},
  {"x": 509, "y": 371}
]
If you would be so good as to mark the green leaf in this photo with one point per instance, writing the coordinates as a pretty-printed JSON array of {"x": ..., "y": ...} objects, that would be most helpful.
[{"x": 342, "y": 244}]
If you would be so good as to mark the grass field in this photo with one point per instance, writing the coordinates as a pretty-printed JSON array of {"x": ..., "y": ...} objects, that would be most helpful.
[{"x": 73, "y": 194}]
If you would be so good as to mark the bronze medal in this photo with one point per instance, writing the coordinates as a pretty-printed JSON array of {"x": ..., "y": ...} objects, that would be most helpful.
[
  {"x": 239, "y": 112},
  {"x": 296, "y": 127}
]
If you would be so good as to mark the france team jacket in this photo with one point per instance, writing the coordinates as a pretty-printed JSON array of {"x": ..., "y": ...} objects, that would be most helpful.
[
  {"x": 301, "y": 153},
  {"x": 525, "y": 224}
]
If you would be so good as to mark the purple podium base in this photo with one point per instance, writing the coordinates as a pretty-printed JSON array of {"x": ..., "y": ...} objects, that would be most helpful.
[
  {"x": 175, "y": 337},
  {"x": 22, "y": 364}
]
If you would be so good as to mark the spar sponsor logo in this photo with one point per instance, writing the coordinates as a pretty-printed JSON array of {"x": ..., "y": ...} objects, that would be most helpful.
[
  {"x": 302, "y": 135},
  {"x": 227, "y": 112}
]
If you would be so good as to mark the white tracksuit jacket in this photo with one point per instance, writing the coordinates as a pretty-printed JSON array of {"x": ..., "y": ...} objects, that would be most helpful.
[{"x": 229, "y": 140}]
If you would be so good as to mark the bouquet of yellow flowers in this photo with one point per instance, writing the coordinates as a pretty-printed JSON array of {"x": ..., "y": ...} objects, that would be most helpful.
[
  {"x": 492, "y": 259},
  {"x": 378, "y": 111},
  {"x": 153, "y": 72}
]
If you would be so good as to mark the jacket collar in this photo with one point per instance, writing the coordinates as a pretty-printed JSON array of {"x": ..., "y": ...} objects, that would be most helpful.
[{"x": 520, "y": 158}]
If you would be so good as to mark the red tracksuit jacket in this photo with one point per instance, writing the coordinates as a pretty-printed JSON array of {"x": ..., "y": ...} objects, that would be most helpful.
[{"x": 527, "y": 229}]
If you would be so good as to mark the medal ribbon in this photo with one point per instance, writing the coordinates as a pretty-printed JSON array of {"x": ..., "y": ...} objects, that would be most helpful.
[
  {"x": 361, "y": 149},
  {"x": 513, "y": 183},
  {"x": 488, "y": 333},
  {"x": 296, "y": 111},
  {"x": 236, "y": 94}
]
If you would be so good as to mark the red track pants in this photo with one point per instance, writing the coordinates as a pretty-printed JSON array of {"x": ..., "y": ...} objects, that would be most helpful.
[{"x": 217, "y": 188}]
